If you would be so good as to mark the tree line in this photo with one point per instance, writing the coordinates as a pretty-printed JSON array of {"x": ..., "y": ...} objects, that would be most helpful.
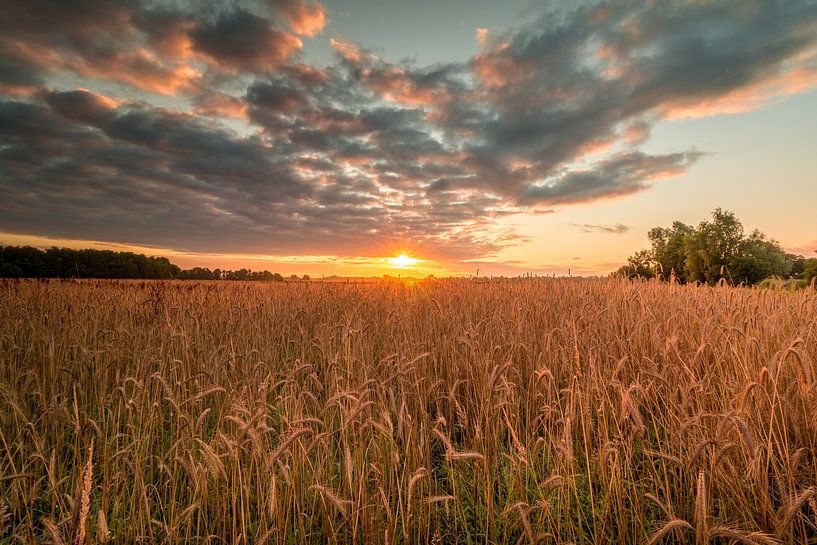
[
  {"x": 203, "y": 273},
  {"x": 30, "y": 262},
  {"x": 718, "y": 249}
]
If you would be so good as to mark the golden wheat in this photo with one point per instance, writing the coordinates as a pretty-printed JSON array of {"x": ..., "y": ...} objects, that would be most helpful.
[{"x": 447, "y": 411}]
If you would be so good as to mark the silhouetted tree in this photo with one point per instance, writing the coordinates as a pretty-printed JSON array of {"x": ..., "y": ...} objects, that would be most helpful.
[
  {"x": 26, "y": 261},
  {"x": 29, "y": 262}
]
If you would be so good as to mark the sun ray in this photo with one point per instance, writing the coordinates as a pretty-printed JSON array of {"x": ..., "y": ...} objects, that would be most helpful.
[{"x": 403, "y": 261}]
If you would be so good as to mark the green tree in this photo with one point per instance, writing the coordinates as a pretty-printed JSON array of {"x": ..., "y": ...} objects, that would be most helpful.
[
  {"x": 759, "y": 257},
  {"x": 713, "y": 247},
  {"x": 640, "y": 264},
  {"x": 798, "y": 263},
  {"x": 669, "y": 250},
  {"x": 810, "y": 270}
]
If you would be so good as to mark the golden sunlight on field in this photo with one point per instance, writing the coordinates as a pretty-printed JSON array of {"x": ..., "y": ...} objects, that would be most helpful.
[{"x": 451, "y": 411}]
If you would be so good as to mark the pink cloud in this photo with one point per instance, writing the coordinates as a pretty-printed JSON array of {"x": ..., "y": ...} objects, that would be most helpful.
[
  {"x": 496, "y": 69},
  {"x": 792, "y": 81},
  {"x": 481, "y": 36},
  {"x": 594, "y": 147},
  {"x": 636, "y": 133},
  {"x": 808, "y": 249}
]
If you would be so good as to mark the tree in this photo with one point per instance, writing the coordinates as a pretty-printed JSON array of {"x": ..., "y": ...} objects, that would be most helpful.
[
  {"x": 798, "y": 263},
  {"x": 810, "y": 270},
  {"x": 759, "y": 258},
  {"x": 717, "y": 249},
  {"x": 10, "y": 270},
  {"x": 640, "y": 264},
  {"x": 305, "y": 277},
  {"x": 713, "y": 247},
  {"x": 669, "y": 250},
  {"x": 27, "y": 261}
]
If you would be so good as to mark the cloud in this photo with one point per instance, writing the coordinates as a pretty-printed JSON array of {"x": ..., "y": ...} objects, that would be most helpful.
[
  {"x": 305, "y": 18},
  {"x": 617, "y": 229},
  {"x": 219, "y": 104},
  {"x": 481, "y": 35},
  {"x": 808, "y": 249},
  {"x": 244, "y": 41},
  {"x": 162, "y": 47},
  {"x": 621, "y": 175},
  {"x": 82, "y": 106},
  {"x": 346, "y": 50},
  {"x": 93, "y": 38},
  {"x": 553, "y": 89},
  {"x": 150, "y": 175},
  {"x": 329, "y": 158}
]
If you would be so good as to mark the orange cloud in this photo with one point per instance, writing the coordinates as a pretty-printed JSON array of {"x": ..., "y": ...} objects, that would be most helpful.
[
  {"x": 496, "y": 69},
  {"x": 793, "y": 81},
  {"x": 174, "y": 39},
  {"x": 395, "y": 85},
  {"x": 347, "y": 50},
  {"x": 140, "y": 69},
  {"x": 307, "y": 19},
  {"x": 482, "y": 36},
  {"x": 18, "y": 90},
  {"x": 594, "y": 147}
]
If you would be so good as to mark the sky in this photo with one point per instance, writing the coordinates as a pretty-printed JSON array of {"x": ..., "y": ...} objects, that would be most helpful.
[{"x": 327, "y": 137}]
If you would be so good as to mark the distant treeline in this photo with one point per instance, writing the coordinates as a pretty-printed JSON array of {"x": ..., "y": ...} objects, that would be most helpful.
[
  {"x": 30, "y": 262},
  {"x": 717, "y": 250}
]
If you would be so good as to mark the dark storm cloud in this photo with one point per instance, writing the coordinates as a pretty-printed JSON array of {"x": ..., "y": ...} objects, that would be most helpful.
[{"x": 544, "y": 116}]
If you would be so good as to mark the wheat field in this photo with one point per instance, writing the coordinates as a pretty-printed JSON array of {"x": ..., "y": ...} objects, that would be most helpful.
[{"x": 447, "y": 411}]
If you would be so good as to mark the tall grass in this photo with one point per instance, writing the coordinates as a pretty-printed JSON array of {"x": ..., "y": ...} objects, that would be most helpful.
[{"x": 453, "y": 411}]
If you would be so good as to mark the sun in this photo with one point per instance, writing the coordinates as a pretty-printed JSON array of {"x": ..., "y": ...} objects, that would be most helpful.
[{"x": 402, "y": 261}]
